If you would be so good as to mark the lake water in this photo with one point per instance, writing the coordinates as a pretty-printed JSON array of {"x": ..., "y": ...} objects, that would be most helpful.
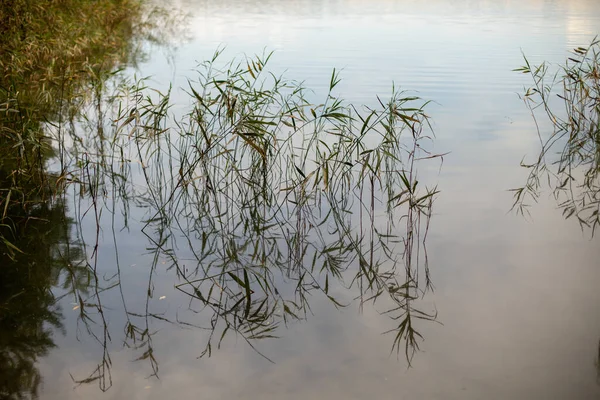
[{"x": 516, "y": 298}]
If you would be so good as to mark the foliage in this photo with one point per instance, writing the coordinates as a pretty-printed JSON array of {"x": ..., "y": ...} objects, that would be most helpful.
[
  {"x": 275, "y": 198},
  {"x": 569, "y": 158},
  {"x": 258, "y": 199},
  {"x": 49, "y": 52}
]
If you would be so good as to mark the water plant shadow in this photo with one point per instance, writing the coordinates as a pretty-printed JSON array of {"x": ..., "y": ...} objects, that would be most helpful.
[
  {"x": 255, "y": 198},
  {"x": 52, "y": 58}
]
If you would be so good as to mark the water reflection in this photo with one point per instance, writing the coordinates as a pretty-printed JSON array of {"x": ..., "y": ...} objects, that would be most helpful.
[
  {"x": 256, "y": 200},
  {"x": 51, "y": 57},
  {"x": 37, "y": 253},
  {"x": 28, "y": 311},
  {"x": 569, "y": 122},
  {"x": 208, "y": 204}
]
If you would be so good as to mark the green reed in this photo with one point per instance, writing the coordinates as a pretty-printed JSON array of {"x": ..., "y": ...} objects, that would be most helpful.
[
  {"x": 272, "y": 200},
  {"x": 569, "y": 158},
  {"x": 258, "y": 198}
]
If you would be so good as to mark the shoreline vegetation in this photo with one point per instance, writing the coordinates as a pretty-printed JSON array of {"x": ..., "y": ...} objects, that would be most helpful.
[
  {"x": 277, "y": 199},
  {"x": 270, "y": 199},
  {"x": 49, "y": 53}
]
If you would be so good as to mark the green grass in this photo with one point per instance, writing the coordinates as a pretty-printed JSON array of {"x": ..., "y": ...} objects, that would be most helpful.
[
  {"x": 50, "y": 52},
  {"x": 277, "y": 199},
  {"x": 565, "y": 105}
]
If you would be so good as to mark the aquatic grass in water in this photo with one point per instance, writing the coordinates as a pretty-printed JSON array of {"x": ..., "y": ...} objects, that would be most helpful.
[
  {"x": 259, "y": 200},
  {"x": 569, "y": 158}
]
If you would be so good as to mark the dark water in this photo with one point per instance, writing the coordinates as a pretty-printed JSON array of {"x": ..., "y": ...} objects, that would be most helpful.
[{"x": 516, "y": 298}]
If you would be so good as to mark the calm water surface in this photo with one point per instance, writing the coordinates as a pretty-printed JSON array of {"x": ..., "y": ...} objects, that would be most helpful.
[{"x": 517, "y": 299}]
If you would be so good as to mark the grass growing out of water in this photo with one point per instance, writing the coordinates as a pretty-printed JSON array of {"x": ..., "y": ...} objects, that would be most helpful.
[
  {"x": 569, "y": 158},
  {"x": 257, "y": 198},
  {"x": 260, "y": 200}
]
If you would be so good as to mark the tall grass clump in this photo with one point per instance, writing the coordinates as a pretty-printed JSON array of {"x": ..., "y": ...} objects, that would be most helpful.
[
  {"x": 568, "y": 100},
  {"x": 259, "y": 200}
]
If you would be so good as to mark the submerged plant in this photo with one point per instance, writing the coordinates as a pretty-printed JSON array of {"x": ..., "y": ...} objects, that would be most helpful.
[{"x": 569, "y": 158}]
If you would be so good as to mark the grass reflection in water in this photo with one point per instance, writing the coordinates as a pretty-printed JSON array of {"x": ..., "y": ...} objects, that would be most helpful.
[{"x": 274, "y": 199}]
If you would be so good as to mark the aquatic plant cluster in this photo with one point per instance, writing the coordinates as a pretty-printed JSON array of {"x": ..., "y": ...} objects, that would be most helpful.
[
  {"x": 565, "y": 105},
  {"x": 258, "y": 198},
  {"x": 276, "y": 198}
]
